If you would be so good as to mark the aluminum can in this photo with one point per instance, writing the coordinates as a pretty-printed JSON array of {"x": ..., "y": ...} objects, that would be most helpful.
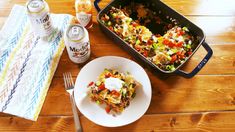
[
  {"x": 39, "y": 15},
  {"x": 77, "y": 43}
]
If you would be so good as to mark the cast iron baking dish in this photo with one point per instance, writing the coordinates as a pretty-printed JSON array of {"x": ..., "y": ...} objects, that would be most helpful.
[{"x": 166, "y": 12}]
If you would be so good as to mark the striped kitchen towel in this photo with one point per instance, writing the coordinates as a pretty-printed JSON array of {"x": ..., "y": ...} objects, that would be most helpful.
[{"x": 27, "y": 63}]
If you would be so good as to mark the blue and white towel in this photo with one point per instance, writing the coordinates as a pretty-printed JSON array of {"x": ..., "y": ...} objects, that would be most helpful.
[{"x": 27, "y": 63}]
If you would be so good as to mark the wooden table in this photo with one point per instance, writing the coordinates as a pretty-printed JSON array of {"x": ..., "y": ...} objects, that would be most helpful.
[{"x": 203, "y": 103}]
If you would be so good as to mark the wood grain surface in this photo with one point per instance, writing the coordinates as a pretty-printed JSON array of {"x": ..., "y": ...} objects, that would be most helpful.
[{"x": 205, "y": 102}]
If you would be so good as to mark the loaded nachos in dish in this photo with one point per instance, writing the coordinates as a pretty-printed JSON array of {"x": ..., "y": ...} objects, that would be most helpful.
[{"x": 167, "y": 51}]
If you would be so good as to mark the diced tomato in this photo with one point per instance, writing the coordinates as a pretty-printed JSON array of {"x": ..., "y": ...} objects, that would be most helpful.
[
  {"x": 190, "y": 52},
  {"x": 145, "y": 53},
  {"x": 137, "y": 48},
  {"x": 166, "y": 41},
  {"x": 171, "y": 44},
  {"x": 180, "y": 44},
  {"x": 116, "y": 93},
  {"x": 178, "y": 34},
  {"x": 173, "y": 58},
  {"x": 150, "y": 42},
  {"x": 108, "y": 75},
  {"x": 101, "y": 87},
  {"x": 107, "y": 109},
  {"x": 134, "y": 24},
  {"x": 140, "y": 38},
  {"x": 180, "y": 55},
  {"x": 182, "y": 32},
  {"x": 90, "y": 84},
  {"x": 111, "y": 28}
]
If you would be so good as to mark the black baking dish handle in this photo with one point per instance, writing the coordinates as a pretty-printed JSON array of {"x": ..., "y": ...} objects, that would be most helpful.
[
  {"x": 200, "y": 65},
  {"x": 96, "y": 5}
]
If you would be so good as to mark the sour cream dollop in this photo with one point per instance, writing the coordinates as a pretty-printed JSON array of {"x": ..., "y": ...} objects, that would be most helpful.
[{"x": 113, "y": 83}]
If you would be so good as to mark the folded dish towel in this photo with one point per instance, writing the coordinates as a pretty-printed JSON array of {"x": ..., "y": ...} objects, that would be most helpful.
[{"x": 27, "y": 63}]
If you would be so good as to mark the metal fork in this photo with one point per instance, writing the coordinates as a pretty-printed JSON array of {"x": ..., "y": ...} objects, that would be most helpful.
[{"x": 69, "y": 87}]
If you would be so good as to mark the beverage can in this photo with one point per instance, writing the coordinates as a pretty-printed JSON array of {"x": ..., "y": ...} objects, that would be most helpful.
[
  {"x": 84, "y": 12},
  {"x": 77, "y": 43},
  {"x": 38, "y": 13}
]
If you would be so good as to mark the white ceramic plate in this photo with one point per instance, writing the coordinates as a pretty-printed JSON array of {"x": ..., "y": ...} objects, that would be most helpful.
[{"x": 138, "y": 106}]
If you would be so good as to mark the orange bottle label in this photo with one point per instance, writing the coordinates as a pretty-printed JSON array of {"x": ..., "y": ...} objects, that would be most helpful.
[{"x": 84, "y": 12}]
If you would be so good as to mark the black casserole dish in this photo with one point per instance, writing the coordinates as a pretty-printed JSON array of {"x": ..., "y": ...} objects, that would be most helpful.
[{"x": 174, "y": 33}]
